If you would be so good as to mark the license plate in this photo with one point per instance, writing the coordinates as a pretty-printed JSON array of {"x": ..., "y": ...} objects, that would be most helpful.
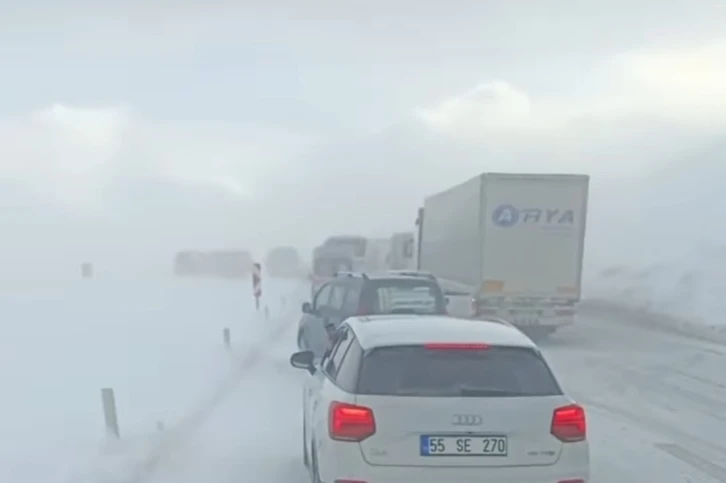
[
  {"x": 526, "y": 321},
  {"x": 464, "y": 446}
]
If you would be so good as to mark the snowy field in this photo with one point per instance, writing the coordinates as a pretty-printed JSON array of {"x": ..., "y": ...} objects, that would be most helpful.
[
  {"x": 158, "y": 344},
  {"x": 683, "y": 295},
  {"x": 680, "y": 288},
  {"x": 658, "y": 247}
]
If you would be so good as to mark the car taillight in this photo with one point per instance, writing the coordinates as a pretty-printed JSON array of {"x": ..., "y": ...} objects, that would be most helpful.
[
  {"x": 569, "y": 424},
  {"x": 456, "y": 346},
  {"x": 349, "y": 422}
]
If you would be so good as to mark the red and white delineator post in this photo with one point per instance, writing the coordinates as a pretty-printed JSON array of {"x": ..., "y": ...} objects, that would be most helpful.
[{"x": 257, "y": 284}]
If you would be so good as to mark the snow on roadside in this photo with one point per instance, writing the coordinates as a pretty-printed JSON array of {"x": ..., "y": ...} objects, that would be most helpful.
[
  {"x": 252, "y": 432},
  {"x": 684, "y": 294},
  {"x": 117, "y": 461},
  {"x": 135, "y": 459},
  {"x": 655, "y": 243}
]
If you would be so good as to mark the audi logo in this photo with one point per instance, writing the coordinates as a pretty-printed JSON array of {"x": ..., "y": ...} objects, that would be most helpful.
[{"x": 466, "y": 420}]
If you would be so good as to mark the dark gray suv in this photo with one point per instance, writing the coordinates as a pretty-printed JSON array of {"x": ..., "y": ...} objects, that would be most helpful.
[{"x": 350, "y": 293}]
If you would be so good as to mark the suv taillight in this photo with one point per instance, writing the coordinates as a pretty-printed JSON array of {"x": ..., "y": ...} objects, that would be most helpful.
[
  {"x": 569, "y": 424},
  {"x": 349, "y": 422}
]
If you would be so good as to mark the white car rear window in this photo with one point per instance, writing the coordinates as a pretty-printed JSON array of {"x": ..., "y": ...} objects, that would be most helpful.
[{"x": 492, "y": 372}]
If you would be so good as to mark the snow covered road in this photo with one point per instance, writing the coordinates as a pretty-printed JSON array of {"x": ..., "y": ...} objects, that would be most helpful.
[{"x": 656, "y": 402}]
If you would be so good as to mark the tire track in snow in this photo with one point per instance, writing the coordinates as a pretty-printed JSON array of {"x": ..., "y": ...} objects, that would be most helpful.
[
  {"x": 663, "y": 389},
  {"x": 713, "y": 470}
]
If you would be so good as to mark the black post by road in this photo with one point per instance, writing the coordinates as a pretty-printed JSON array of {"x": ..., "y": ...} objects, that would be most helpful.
[
  {"x": 109, "y": 412},
  {"x": 257, "y": 284}
]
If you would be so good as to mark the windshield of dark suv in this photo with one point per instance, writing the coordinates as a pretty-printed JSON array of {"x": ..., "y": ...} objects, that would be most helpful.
[{"x": 403, "y": 296}]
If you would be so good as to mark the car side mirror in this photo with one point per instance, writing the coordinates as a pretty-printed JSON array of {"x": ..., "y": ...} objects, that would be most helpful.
[
  {"x": 303, "y": 360},
  {"x": 307, "y": 308}
]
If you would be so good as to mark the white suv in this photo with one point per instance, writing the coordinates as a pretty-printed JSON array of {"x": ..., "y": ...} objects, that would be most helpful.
[{"x": 438, "y": 399}]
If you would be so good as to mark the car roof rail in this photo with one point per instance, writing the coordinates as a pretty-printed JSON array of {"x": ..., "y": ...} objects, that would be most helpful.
[{"x": 351, "y": 274}]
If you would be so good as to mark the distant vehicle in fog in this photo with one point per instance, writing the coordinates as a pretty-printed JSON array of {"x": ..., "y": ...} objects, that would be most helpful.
[
  {"x": 216, "y": 264},
  {"x": 283, "y": 262},
  {"x": 352, "y": 246},
  {"x": 231, "y": 264},
  {"x": 401, "y": 254},
  {"x": 189, "y": 264},
  {"x": 366, "y": 254},
  {"x": 356, "y": 243},
  {"x": 348, "y": 253},
  {"x": 327, "y": 261},
  {"x": 377, "y": 254}
]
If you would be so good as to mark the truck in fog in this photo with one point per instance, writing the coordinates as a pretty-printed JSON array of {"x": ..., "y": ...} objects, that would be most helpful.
[
  {"x": 514, "y": 242},
  {"x": 401, "y": 253},
  {"x": 365, "y": 254},
  {"x": 225, "y": 264},
  {"x": 327, "y": 261},
  {"x": 348, "y": 253},
  {"x": 283, "y": 262},
  {"x": 354, "y": 245}
]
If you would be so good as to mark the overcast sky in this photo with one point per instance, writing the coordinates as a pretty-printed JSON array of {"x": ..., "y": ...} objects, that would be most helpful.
[{"x": 165, "y": 122}]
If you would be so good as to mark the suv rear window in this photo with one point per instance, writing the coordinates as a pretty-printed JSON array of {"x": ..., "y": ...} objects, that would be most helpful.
[
  {"x": 494, "y": 372},
  {"x": 403, "y": 296}
]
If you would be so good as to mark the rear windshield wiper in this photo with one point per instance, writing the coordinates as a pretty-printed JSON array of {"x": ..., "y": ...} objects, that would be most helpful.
[
  {"x": 421, "y": 392},
  {"x": 403, "y": 311},
  {"x": 487, "y": 392}
]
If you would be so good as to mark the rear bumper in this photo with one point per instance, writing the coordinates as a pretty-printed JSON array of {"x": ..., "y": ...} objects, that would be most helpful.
[
  {"x": 547, "y": 322},
  {"x": 345, "y": 462},
  {"x": 523, "y": 319},
  {"x": 460, "y": 475}
]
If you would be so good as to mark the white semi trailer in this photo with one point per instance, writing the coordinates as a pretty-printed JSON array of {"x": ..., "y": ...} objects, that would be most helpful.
[
  {"x": 401, "y": 254},
  {"x": 513, "y": 242}
]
